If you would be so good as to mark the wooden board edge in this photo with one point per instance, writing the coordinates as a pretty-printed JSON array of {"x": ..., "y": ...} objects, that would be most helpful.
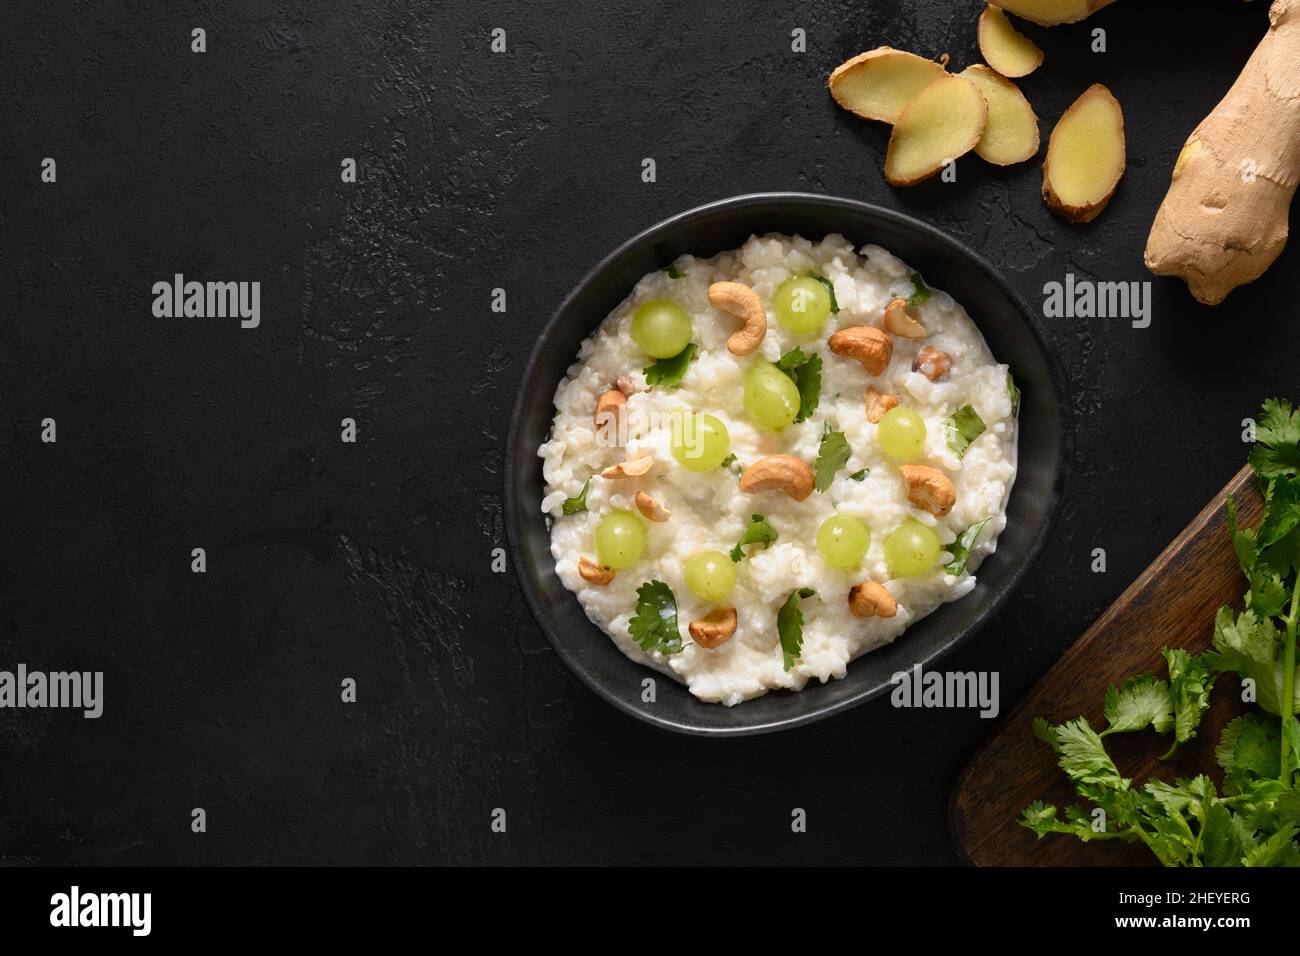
[{"x": 955, "y": 813}]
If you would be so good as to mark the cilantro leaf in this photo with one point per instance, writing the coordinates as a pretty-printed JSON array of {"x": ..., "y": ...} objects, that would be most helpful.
[
  {"x": 655, "y": 625},
  {"x": 1190, "y": 683},
  {"x": 1041, "y": 818},
  {"x": 1268, "y": 594},
  {"x": 1282, "y": 557},
  {"x": 1014, "y": 392},
  {"x": 673, "y": 273},
  {"x": 1281, "y": 513},
  {"x": 1250, "y": 744},
  {"x": 1277, "y": 441},
  {"x": 1290, "y": 757},
  {"x": 808, "y": 379},
  {"x": 1138, "y": 702},
  {"x": 1083, "y": 756},
  {"x": 1243, "y": 539},
  {"x": 1221, "y": 842},
  {"x": 806, "y": 373},
  {"x": 789, "y": 626},
  {"x": 1278, "y": 850},
  {"x": 792, "y": 359},
  {"x": 1174, "y": 799},
  {"x": 1286, "y": 804},
  {"x": 830, "y": 290},
  {"x": 578, "y": 502},
  {"x": 760, "y": 531},
  {"x": 960, "y": 549},
  {"x": 860, "y": 475},
  {"x": 728, "y": 461},
  {"x": 1247, "y": 645},
  {"x": 922, "y": 291},
  {"x": 832, "y": 455},
  {"x": 1047, "y": 734},
  {"x": 961, "y": 428},
  {"x": 668, "y": 372}
]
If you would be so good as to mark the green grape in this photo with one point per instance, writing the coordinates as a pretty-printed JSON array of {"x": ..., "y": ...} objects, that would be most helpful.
[
  {"x": 700, "y": 442},
  {"x": 901, "y": 434},
  {"x": 710, "y": 575},
  {"x": 843, "y": 541},
  {"x": 661, "y": 328},
  {"x": 911, "y": 549},
  {"x": 620, "y": 540},
  {"x": 771, "y": 397},
  {"x": 802, "y": 305}
]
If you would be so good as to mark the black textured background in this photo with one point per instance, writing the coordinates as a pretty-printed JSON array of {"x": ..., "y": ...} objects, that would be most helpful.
[{"x": 372, "y": 561}]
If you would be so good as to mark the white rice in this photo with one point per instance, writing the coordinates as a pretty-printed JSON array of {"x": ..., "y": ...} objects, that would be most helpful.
[{"x": 710, "y": 512}]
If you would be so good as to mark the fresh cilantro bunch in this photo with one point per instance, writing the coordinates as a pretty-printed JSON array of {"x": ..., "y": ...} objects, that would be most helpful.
[{"x": 1256, "y": 818}]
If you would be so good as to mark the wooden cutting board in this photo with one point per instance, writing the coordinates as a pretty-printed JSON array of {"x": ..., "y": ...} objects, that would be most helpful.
[{"x": 1173, "y": 604}]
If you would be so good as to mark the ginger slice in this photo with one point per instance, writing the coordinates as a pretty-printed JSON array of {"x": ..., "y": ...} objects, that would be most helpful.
[
  {"x": 1085, "y": 156},
  {"x": 942, "y": 122},
  {"x": 1050, "y": 13},
  {"x": 1011, "y": 135},
  {"x": 1004, "y": 47},
  {"x": 878, "y": 84}
]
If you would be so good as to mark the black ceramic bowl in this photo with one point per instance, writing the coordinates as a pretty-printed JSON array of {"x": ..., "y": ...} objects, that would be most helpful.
[{"x": 706, "y": 231}]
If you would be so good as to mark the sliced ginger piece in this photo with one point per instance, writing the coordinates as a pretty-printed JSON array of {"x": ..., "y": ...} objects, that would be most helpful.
[
  {"x": 878, "y": 84},
  {"x": 1050, "y": 13},
  {"x": 1085, "y": 156},
  {"x": 1004, "y": 47},
  {"x": 1011, "y": 134},
  {"x": 942, "y": 122}
]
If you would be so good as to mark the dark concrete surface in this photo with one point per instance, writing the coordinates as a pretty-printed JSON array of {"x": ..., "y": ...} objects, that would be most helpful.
[{"x": 372, "y": 560}]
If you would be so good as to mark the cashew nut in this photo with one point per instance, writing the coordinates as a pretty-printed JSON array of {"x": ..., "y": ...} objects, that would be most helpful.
[
  {"x": 651, "y": 508},
  {"x": 870, "y": 599},
  {"x": 609, "y": 408},
  {"x": 626, "y": 384},
  {"x": 594, "y": 573},
  {"x": 632, "y": 468},
  {"x": 784, "y": 473},
  {"x": 932, "y": 363},
  {"x": 878, "y": 403},
  {"x": 745, "y": 304},
  {"x": 929, "y": 488},
  {"x": 869, "y": 345},
  {"x": 899, "y": 320},
  {"x": 714, "y": 628}
]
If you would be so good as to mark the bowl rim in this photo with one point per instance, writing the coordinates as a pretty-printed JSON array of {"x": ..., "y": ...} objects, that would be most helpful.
[{"x": 931, "y": 234}]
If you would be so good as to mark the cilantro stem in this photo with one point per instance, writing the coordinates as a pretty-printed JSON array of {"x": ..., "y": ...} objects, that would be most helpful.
[{"x": 1288, "y": 679}]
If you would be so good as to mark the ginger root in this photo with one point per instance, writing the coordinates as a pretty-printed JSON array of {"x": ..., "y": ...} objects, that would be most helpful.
[
  {"x": 1085, "y": 156},
  {"x": 1050, "y": 13},
  {"x": 877, "y": 85},
  {"x": 1004, "y": 47},
  {"x": 942, "y": 122},
  {"x": 1224, "y": 220},
  {"x": 1011, "y": 134}
]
